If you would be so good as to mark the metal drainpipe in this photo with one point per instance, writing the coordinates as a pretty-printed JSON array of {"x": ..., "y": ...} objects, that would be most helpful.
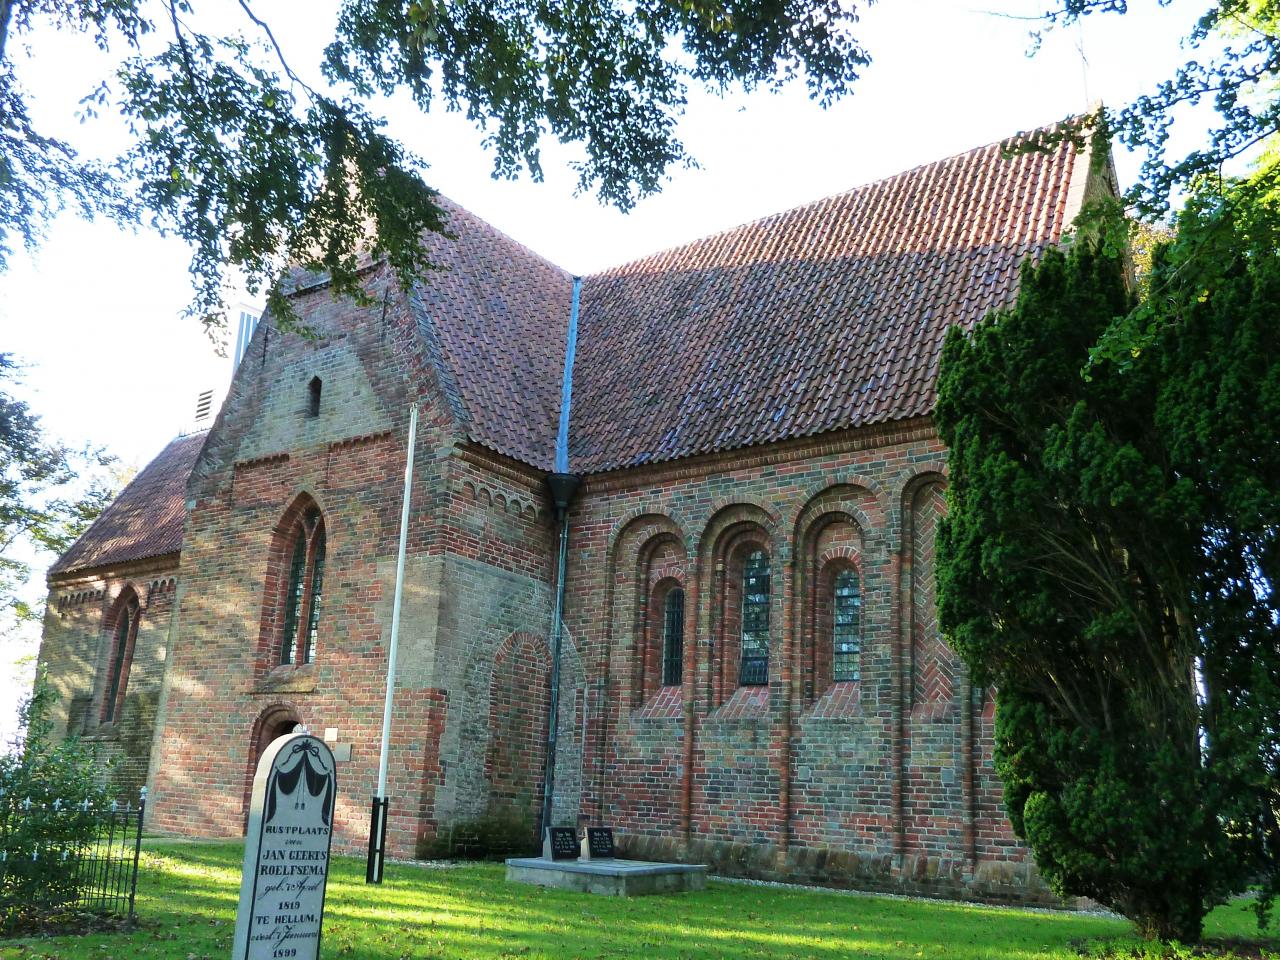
[{"x": 562, "y": 485}]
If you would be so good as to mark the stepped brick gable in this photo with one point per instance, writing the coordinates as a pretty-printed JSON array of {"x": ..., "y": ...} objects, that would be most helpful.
[{"x": 751, "y": 673}]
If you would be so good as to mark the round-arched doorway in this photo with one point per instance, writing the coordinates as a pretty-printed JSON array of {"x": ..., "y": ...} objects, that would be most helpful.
[
  {"x": 272, "y": 727},
  {"x": 272, "y": 724}
]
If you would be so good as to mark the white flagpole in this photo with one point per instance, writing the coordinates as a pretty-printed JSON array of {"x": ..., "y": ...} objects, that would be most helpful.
[{"x": 375, "y": 875}]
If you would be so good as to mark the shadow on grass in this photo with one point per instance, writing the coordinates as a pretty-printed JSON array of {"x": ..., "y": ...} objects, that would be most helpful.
[{"x": 187, "y": 897}]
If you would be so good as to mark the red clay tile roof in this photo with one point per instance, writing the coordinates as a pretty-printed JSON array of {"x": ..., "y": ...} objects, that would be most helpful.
[
  {"x": 145, "y": 520},
  {"x": 824, "y": 317},
  {"x": 495, "y": 318}
]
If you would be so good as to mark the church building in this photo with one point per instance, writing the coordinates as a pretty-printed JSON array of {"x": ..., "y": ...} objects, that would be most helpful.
[{"x": 751, "y": 674}]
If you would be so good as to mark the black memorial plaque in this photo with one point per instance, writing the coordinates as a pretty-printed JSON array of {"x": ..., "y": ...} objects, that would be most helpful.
[
  {"x": 600, "y": 842},
  {"x": 564, "y": 843}
]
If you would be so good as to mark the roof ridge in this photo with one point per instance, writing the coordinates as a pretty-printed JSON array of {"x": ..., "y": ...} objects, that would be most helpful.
[{"x": 858, "y": 188}]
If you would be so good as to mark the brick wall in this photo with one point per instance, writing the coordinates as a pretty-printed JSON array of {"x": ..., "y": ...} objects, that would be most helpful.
[
  {"x": 884, "y": 782},
  {"x": 477, "y": 574},
  {"x": 266, "y": 457},
  {"x": 497, "y": 603},
  {"x": 78, "y": 651}
]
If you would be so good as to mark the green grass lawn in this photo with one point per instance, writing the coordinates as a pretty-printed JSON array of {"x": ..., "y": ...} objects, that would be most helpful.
[{"x": 187, "y": 902}]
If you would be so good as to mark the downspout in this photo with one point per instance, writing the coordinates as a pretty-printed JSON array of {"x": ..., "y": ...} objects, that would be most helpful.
[{"x": 562, "y": 485}]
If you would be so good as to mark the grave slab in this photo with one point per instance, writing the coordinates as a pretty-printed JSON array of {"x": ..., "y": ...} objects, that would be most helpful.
[{"x": 608, "y": 877}]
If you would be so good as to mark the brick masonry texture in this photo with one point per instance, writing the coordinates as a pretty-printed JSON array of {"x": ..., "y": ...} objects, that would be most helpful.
[
  {"x": 884, "y": 782},
  {"x": 78, "y": 649}
]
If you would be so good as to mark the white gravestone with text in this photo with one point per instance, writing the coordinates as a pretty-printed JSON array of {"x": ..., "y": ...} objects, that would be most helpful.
[{"x": 286, "y": 854}]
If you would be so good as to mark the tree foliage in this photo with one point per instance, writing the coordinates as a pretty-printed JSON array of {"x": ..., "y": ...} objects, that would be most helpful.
[
  {"x": 1110, "y": 558},
  {"x": 233, "y": 152},
  {"x": 1235, "y": 68},
  {"x": 49, "y": 494},
  {"x": 255, "y": 168}
]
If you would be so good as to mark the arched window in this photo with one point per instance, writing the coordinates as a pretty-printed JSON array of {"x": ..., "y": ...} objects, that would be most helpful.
[
  {"x": 846, "y": 627},
  {"x": 754, "y": 670},
  {"x": 303, "y": 590},
  {"x": 317, "y": 592},
  {"x": 673, "y": 638},
  {"x": 123, "y": 636},
  {"x": 313, "y": 397}
]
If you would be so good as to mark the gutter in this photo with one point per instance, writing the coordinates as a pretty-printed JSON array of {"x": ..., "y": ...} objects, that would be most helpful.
[{"x": 562, "y": 486}]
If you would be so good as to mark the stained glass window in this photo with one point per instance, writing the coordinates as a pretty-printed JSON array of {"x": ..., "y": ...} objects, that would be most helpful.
[
  {"x": 317, "y": 589},
  {"x": 846, "y": 631},
  {"x": 755, "y": 620},
  {"x": 673, "y": 638},
  {"x": 293, "y": 599}
]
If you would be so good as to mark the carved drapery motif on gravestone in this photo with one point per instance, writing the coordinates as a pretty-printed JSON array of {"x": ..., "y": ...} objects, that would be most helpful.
[{"x": 286, "y": 857}]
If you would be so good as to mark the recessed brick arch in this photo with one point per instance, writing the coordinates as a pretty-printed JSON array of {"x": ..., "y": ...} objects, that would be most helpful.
[
  {"x": 661, "y": 566},
  {"x": 728, "y": 511},
  {"x": 637, "y": 541},
  {"x": 128, "y": 604},
  {"x": 841, "y": 527},
  {"x": 867, "y": 492},
  {"x": 920, "y": 473},
  {"x": 933, "y": 667},
  {"x": 833, "y": 541},
  {"x": 862, "y": 503},
  {"x": 732, "y": 534},
  {"x": 627, "y": 526},
  {"x": 519, "y": 707}
]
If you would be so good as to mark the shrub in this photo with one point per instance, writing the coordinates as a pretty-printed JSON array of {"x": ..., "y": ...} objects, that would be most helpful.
[{"x": 50, "y": 793}]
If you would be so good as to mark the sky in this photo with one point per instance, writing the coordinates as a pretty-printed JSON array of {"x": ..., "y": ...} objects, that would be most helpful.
[{"x": 96, "y": 312}]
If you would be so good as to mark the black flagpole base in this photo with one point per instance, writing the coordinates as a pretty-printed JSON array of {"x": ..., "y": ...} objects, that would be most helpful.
[{"x": 377, "y": 841}]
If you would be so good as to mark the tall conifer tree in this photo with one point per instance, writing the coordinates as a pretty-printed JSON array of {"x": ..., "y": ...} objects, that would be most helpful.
[{"x": 1109, "y": 561}]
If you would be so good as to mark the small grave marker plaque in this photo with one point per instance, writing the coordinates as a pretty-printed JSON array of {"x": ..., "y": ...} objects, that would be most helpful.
[
  {"x": 600, "y": 843},
  {"x": 560, "y": 843},
  {"x": 286, "y": 855}
]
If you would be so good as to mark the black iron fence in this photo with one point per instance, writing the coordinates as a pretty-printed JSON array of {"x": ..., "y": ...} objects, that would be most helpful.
[{"x": 57, "y": 857}]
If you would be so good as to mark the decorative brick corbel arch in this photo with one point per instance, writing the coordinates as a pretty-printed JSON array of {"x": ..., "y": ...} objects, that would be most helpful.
[{"x": 842, "y": 480}]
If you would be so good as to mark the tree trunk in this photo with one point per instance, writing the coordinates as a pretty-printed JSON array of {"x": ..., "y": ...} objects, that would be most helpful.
[{"x": 6, "y": 15}]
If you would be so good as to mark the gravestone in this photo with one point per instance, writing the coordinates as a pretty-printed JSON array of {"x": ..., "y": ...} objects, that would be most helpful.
[
  {"x": 600, "y": 843},
  {"x": 560, "y": 843},
  {"x": 286, "y": 852}
]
